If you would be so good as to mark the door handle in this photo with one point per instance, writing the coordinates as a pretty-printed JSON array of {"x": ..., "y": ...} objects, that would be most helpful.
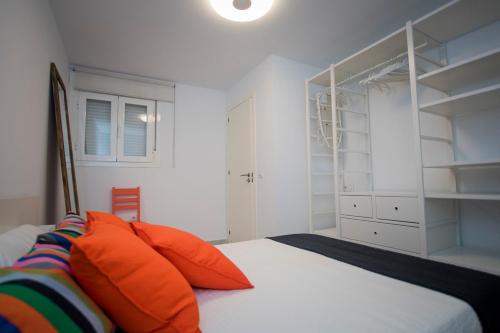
[{"x": 249, "y": 177}]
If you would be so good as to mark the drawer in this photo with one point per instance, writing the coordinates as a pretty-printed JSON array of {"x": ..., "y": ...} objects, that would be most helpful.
[
  {"x": 356, "y": 205},
  {"x": 397, "y": 208},
  {"x": 389, "y": 235}
]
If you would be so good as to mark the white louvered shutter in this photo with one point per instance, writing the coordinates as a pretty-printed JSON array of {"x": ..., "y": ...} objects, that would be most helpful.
[
  {"x": 136, "y": 123},
  {"x": 98, "y": 127}
]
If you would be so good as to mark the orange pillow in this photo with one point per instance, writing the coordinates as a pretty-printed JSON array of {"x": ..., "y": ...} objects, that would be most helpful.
[
  {"x": 139, "y": 289},
  {"x": 102, "y": 217},
  {"x": 202, "y": 264}
]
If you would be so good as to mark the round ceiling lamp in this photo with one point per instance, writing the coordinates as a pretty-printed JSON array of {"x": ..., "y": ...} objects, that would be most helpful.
[{"x": 242, "y": 10}]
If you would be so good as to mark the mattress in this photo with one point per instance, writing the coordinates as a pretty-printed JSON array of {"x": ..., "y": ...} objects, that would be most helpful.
[{"x": 301, "y": 291}]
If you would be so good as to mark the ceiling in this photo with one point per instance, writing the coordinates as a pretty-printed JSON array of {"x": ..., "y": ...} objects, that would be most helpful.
[{"x": 185, "y": 41}]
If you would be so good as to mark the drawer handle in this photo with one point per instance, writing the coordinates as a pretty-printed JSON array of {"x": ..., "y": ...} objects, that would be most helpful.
[
  {"x": 396, "y": 208},
  {"x": 355, "y": 205},
  {"x": 375, "y": 233}
]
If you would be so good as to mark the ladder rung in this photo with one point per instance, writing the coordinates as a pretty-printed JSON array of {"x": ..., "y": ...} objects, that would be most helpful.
[
  {"x": 352, "y": 111},
  {"x": 314, "y": 136},
  {"x": 353, "y": 151},
  {"x": 351, "y": 131}
]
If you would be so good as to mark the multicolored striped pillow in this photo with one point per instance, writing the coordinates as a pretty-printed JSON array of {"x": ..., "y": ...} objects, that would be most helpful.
[
  {"x": 46, "y": 256},
  {"x": 36, "y": 300},
  {"x": 73, "y": 226},
  {"x": 51, "y": 249}
]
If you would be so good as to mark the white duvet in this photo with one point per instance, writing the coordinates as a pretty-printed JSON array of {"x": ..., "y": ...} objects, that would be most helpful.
[{"x": 301, "y": 291}]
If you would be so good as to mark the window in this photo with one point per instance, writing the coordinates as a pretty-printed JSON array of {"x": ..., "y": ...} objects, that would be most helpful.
[{"x": 116, "y": 129}]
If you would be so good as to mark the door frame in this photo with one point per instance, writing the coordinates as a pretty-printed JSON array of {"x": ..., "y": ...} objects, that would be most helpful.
[{"x": 254, "y": 189}]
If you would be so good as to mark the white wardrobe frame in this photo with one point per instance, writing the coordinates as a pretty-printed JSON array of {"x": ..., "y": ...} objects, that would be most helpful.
[{"x": 431, "y": 31}]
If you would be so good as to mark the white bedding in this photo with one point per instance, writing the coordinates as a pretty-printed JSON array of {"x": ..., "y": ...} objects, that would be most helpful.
[{"x": 301, "y": 291}]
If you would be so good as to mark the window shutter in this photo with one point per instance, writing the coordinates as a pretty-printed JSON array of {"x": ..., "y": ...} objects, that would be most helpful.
[
  {"x": 135, "y": 130},
  {"x": 98, "y": 127}
]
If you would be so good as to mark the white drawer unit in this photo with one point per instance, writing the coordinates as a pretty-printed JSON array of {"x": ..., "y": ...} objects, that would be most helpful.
[
  {"x": 384, "y": 234},
  {"x": 356, "y": 205},
  {"x": 397, "y": 208}
]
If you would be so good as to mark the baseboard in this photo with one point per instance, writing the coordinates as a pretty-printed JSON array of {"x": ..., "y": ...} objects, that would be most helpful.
[{"x": 218, "y": 242}]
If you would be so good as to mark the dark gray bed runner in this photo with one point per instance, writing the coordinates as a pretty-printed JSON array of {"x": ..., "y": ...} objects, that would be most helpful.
[{"x": 480, "y": 290}]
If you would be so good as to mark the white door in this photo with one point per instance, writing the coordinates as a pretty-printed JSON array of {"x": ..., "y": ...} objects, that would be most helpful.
[{"x": 240, "y": 149}]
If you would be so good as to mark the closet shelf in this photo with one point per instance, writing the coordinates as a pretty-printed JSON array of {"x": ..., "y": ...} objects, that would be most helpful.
[
  {"x": 464, "y": 164},
  {"x": 328, "y": 232},
  {"x": 436, "y": 138},
  {"x": 482, "y": 67},
  {"x": 322, "y": 78},
  {"x": 483, "y": 260},
  {"x": 443, "y": 24},
  {"x": 462, "y": 196},
  {"x": 476, "y": 100}
]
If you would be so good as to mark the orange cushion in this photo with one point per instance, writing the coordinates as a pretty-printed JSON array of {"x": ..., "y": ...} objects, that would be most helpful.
[
  {"x": 202, "y": 264},
  {"x": 139, "y": 289},
  {"x": 102, "y": 217}
]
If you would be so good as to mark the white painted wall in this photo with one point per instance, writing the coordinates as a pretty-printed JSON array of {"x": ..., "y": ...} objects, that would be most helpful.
[
  {"x": 189, "y": 196},
  {"x": 277, "y": 85},
  {"x": 29, "y": 42}
]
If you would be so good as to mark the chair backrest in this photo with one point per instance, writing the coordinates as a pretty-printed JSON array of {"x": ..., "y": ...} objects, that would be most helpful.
[{"x": 126, "y": 199}]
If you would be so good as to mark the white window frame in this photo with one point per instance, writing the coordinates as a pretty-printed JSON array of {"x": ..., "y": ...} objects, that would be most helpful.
[
  {"x": 150, "y": 128},
  {"x": 82, "y": 108}
]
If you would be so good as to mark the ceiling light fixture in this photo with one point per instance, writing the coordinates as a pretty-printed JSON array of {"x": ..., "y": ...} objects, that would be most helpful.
[{"x": 242, "y": 10}]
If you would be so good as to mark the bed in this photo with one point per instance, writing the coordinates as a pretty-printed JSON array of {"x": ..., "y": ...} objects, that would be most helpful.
[
  {"x": 299, "y": 290},
  {"x": 302, "y": 291}
]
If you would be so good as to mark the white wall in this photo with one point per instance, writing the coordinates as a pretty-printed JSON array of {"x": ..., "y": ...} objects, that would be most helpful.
[
  {"x": 277, "y": 85},
  {"x": 29, "y": 42},
  {"x": 189, "y": 196}
]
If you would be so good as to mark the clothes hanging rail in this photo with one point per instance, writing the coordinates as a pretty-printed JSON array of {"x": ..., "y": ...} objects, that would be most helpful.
[{"x": 383, "y": 63}]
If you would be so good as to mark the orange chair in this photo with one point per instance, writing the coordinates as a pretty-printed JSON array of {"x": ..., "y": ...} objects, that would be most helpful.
[{"x": 126, "y": 199}]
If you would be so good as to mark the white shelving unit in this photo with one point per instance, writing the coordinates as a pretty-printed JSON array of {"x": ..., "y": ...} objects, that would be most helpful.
[
  {"x": 426, "y": 221},
  {"x": 320, "y": 160},
  {"x": 445, "y": 239}
]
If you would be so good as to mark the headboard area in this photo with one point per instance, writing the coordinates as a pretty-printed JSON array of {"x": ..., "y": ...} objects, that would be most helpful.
[{"x": 15, "y": 212}]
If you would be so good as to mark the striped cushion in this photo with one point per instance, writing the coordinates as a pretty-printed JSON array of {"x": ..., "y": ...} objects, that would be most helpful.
[
  {"x": 35, "y": 300},
  {"x": 73, "y": 226},
  {"x": 46, "y": 256},
  {"x": 51, "y": 249}
]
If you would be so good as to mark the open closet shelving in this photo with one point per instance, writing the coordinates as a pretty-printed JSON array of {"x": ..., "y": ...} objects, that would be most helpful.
[
  {"x": 320, "y": 155},
  {"x": 422, "y": 203}
]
